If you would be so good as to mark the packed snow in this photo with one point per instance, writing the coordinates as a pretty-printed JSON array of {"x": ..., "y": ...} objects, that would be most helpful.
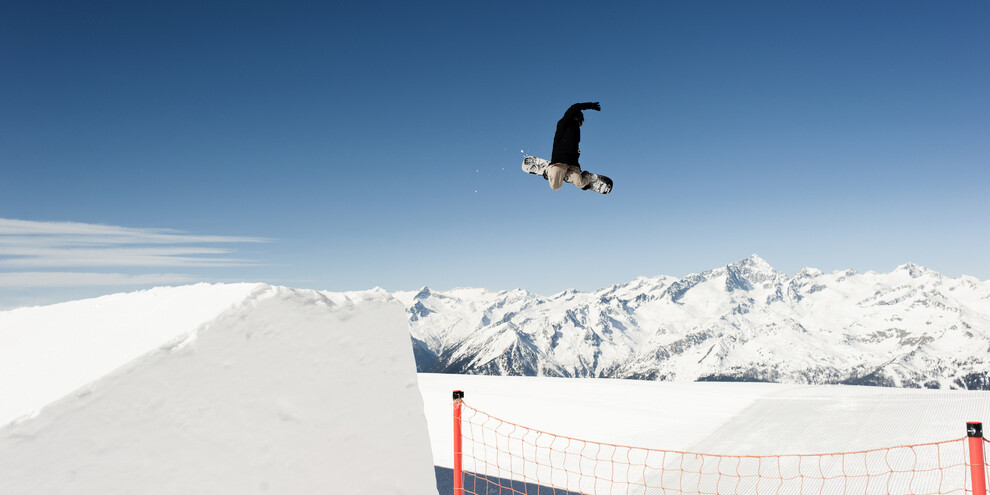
[
  {"x": 708, "y": 417},
  {"x": 47, "y": 352},
  {"x": 573, "y": 434},
  {"x": 282, "y": 391}
]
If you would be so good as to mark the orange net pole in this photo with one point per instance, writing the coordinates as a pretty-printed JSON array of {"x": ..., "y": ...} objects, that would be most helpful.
[
  {"x": 458, "y": 449},
  {"x": 977, "y": 459}
]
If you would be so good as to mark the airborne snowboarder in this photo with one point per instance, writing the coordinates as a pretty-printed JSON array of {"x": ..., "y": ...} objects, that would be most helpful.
[{"x": 564, "y": 163}]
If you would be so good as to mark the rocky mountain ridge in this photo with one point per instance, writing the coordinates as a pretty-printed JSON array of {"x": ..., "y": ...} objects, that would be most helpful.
[{"x": 745, "y": 321}]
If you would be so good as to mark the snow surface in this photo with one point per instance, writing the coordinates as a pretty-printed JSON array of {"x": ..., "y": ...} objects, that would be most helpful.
[
  {"x": 47, "y": 352},
  {"x": 707, "y": 417},
  {"x": 743, "y": 419},
  {"x": 283, "y": 391}
]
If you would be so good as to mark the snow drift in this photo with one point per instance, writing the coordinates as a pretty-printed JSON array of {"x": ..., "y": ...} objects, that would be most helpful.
[{"x": 278, "y": 391}]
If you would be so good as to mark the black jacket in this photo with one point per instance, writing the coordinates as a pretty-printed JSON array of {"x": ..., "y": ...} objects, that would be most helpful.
[{"x": 568, "y": 136}]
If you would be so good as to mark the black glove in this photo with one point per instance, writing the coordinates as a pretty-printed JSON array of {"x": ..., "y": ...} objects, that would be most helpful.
[{"x": 592, "y": 106}]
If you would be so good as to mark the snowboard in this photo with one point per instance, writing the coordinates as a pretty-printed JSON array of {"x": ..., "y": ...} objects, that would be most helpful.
[{"x": 536, "y": 166}]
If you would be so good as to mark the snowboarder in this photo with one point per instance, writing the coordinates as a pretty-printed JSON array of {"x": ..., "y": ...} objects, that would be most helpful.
[{"x": 564, "y": 158}]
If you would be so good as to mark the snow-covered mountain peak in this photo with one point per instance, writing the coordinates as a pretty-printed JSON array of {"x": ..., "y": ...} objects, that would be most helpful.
[
  {"x": 807, "y": 273},
  {"x": 915, "y": 271},
  {"x": 743, "y": 321},
  {"x": 756, "y": 271},
  {"x": 755, "y": 263},
  {"x": 423, "y": 293}
]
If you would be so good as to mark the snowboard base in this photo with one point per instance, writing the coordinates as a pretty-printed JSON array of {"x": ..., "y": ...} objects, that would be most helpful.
[{"x": 537, "y": 166}]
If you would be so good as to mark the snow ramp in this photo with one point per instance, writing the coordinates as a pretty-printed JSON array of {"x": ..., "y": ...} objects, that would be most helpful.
[{"x": 286, "y": 391}]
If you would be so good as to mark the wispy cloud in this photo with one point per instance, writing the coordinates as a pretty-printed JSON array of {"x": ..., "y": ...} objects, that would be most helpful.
[
  {"x": 46, "y": 254},
  {"x": 80, "y": 279}
]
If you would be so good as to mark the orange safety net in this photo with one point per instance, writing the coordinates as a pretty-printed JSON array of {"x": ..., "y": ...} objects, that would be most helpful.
[{"x": 500, "y": 457}]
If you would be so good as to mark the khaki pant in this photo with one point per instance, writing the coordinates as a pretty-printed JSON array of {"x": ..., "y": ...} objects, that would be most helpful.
[{"x": 557, "y": 171}]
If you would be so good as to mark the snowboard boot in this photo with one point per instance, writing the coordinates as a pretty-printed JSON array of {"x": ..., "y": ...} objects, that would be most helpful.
[{"x": 588, "y": 178}]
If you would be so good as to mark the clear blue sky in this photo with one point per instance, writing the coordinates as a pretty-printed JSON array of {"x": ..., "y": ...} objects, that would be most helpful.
[{"x": 347, "y": 145}]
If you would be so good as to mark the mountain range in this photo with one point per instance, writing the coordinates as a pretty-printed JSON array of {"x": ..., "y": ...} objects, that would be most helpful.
[{"x": 745, "y": 321}]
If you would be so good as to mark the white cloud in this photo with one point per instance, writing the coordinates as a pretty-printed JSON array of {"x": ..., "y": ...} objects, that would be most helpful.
[
  {"x": 79, "y": 279},
  {"x": 72, "y": 233},
  {"x": 116, "y": 256},
  {"x": 60, "y": 247}
]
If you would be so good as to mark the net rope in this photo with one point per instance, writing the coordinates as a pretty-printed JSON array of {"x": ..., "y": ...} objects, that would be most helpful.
[{"x": 504, "y": 458}]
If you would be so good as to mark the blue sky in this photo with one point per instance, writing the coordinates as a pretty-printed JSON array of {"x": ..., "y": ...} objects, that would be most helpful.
[{"x": 347, "y": 145}]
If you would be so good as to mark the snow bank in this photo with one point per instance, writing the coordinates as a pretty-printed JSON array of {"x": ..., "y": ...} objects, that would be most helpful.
[{"x": 278, "y": 391}]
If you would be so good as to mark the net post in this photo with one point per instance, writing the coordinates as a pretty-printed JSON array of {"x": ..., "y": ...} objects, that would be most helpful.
[
  {"x": 458, "y": 472},
  {"x": 974, "y": 431}
]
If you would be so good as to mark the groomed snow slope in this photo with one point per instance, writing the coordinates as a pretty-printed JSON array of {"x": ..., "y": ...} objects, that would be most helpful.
[
  {"x": 278, "y": 391},
  {"x": 708, "y": 417}
]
